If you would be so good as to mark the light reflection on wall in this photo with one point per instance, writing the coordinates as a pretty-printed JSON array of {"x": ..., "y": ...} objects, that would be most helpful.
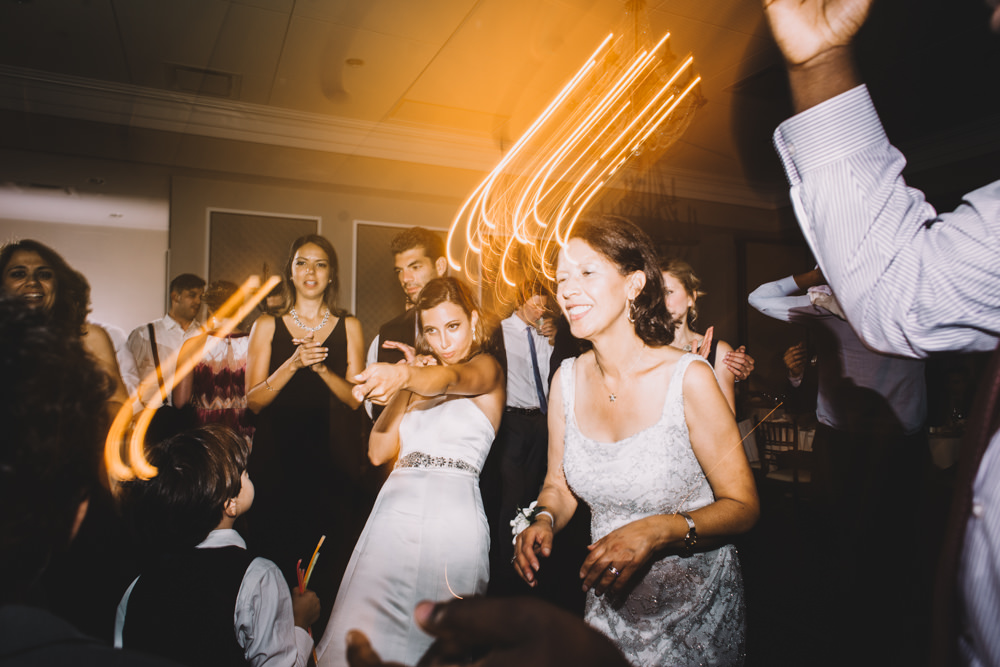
[{"x": 618, "y": 106}]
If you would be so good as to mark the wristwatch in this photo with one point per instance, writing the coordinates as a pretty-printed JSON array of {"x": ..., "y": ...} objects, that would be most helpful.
[{"x": 691, "y": 538}]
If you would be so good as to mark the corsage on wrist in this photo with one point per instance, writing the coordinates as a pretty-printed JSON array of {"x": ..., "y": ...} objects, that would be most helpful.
[{"x": 526, "y": 516}]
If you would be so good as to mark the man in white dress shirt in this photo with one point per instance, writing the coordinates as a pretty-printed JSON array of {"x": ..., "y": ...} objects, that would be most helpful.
[
  {"x": 170, "y": 331},
  {"x": 519, "y": 457},
  {"x": 912, "y": 281}
]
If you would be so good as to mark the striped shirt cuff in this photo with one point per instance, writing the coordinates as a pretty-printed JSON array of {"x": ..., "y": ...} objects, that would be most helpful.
[{"x": 828, "y": 132}]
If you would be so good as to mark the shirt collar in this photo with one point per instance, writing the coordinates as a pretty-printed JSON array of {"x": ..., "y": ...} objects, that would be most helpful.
[{"x": 223, "y": 537}]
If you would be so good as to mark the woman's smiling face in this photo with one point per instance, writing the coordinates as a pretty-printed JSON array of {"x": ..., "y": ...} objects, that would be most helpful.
[
  {"x": 590, "y": 289},
  {"x": 30, "y": 278}
]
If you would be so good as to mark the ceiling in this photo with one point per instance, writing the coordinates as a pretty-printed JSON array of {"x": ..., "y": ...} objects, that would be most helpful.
[{"x": 453, "y": 83}]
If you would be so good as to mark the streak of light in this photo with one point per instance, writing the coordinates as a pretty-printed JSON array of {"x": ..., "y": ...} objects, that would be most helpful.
[
  {"x": 615, "y": 107},
  {"x": 231, "y": 313}
]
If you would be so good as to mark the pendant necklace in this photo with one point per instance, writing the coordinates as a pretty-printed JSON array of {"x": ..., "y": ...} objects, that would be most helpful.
[
  {"x": 298, "y": 322},
  {"x": 612, "y": 397}
]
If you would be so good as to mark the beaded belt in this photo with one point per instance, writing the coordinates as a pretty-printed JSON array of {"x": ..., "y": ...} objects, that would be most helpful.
[{"x": 421, "y": 460}]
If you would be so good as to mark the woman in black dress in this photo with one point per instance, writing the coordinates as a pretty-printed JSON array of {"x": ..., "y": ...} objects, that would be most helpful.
[{"x": 307, "y": 455}]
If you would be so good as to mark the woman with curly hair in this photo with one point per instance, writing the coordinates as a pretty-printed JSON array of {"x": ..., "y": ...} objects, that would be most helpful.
[
  {"x": 38, "y": 276},
  {"x": 641, "y": 432}
]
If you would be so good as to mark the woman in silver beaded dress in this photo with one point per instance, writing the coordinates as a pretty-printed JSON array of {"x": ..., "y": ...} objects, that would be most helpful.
[
  {"x": 427, "y": 536},
  {"x": 641, "y": 432}
]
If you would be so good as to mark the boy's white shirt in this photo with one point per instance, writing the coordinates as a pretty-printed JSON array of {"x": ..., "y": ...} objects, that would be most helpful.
[{"x": 263, "y": 618}]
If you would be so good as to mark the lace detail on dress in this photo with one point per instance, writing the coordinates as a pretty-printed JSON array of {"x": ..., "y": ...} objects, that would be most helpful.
[{"x": 680, "y": 611}]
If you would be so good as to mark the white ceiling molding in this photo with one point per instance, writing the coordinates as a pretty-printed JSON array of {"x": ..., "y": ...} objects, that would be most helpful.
[{"x": 134, "y": 106}]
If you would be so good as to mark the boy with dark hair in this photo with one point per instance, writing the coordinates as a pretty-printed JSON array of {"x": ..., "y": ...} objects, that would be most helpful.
[{"x": 204, "y": 600}]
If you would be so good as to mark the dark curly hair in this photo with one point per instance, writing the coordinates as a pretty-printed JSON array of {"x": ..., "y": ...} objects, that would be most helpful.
[
  {"x": 451, "y": 290},
  {"x": 53, "y": 438},
  {"x": 198, "y": 471},
  {"x": 418, "y": 237},
  {"x": 630, "y": 249},
  {"x": 330, "y": 295},
  {"x": 72, "y": 298}
]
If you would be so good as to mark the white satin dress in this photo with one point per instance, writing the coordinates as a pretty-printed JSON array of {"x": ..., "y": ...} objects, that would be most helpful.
[{"x": 426, "y": 538}]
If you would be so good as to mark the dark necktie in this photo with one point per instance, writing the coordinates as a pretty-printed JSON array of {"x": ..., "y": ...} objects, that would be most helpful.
[
  {"x": 534, "y": 368},
  {"x": 984, "y": 420}
]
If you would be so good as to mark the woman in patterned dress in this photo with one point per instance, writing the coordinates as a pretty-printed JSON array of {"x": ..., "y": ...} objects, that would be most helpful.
[{"x": 641, "y": 432}]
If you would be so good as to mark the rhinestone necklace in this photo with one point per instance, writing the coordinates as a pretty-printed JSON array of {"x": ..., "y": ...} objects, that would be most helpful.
[
  {"x": 298, "y": 322},
  {"x": 612, "y": 397}
]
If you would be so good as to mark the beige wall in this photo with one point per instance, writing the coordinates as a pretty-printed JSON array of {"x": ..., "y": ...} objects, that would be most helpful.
[
  {"x": 191, "y": 200},
  {"x": 125, "y": 267}
]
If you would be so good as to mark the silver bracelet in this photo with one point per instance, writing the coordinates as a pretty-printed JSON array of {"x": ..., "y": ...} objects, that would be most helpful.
[{"x": 268, "y": 384}]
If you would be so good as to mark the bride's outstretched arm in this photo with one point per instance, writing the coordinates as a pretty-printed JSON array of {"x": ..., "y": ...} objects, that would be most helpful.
[
  {"x": 477, "y": 376},
  {"x": 383, "y": 443},
  {"x": 560, "y": 503}
]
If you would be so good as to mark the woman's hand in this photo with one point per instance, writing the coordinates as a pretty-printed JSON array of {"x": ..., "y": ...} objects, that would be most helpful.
[
  {"x": 532, "y": 542},
  {"x": 308, "y": 354},
  {"x": 706, "y": 343},
  {"x": 739, "y": 363},
  {"x": 380, "y": 382},
  {"x": 410, "y": 356},
  {"x": 624, "y": 550},
  {"x": 409, "y": 353}
]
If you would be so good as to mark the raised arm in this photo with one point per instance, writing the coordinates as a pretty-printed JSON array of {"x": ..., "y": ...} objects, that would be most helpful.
[
  {"x": 379, "y": 382},
  {"x": 814, "y": 37}
]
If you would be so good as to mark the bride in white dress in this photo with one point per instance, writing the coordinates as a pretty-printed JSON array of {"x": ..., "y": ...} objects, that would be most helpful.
[
  {"x": 427, "y": 536},
  {"x": 641, "y": 432}
]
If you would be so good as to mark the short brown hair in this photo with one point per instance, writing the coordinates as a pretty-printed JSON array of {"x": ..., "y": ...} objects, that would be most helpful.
[{"x": 418, "y": 237}]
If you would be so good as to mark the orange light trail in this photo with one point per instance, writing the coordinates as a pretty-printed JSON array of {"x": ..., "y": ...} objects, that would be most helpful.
[
  {"x": 231, "y": 313},
  {"x": 602, "y": 118}
]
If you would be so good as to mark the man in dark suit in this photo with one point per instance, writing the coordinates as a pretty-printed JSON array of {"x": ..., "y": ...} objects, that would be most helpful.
[{"x": 419, "y": 257}]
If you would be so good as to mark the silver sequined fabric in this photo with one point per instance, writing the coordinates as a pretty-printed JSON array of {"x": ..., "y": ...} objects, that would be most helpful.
[
  {"x": 421, "y": 460},
  {"x": 680, "y": 611}
]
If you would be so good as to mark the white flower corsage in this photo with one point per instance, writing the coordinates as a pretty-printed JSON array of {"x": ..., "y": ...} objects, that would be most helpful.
[{"x": 526, "y": 516}]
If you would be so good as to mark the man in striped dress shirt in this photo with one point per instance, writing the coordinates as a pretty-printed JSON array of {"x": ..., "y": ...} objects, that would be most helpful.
[{"x": 912, "y": 281}]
